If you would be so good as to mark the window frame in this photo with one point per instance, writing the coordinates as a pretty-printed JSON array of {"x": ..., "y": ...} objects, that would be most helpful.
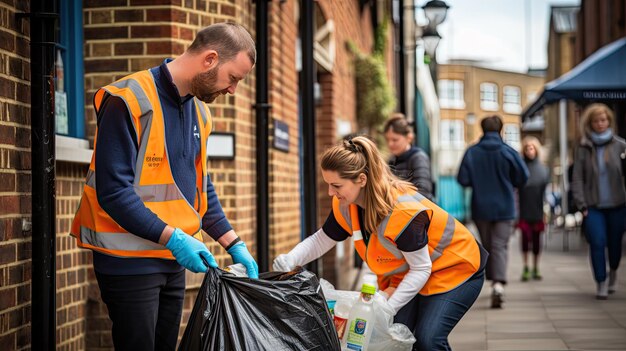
[
  {"x": 455, "y": 100},
  {"x": 512, "y": 129},
  {"x": 489, "y": 104},
  {"x": 515, "y": 105},
  {"x": 445, "y": 128},
  {"x": 71, "y": 46}
]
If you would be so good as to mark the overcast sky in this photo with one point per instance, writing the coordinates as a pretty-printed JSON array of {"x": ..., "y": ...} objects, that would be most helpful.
[{"x": 496, "y": 31}]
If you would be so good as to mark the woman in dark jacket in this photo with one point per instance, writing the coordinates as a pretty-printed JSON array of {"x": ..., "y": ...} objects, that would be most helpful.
[
  {"x": 598, "y": 191},
  {"x": 408, "y": 162},
  {"x": 531, "y": 198}
]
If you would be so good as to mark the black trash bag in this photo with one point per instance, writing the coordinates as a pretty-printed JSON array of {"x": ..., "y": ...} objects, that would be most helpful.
[{"x": 279, "y": 311}]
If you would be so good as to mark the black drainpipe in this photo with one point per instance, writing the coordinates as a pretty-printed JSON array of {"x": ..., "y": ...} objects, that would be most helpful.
[
  {"x": 262, "y": 107},
  {"x": 43, "y": 17},
  {"x": 307, "y": 79}
]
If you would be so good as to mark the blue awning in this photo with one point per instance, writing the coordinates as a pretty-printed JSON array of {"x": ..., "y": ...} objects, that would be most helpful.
[{"x": 600, "y": 77}]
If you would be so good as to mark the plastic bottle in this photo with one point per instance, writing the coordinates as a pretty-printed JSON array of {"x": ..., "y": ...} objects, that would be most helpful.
[
  {"x": 342, "y": 312},
  {"x": 361, "y": 320}
]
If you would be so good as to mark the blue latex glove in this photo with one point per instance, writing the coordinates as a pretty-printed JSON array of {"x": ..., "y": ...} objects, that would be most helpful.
[
  {"x": 240, "y": 254},
  {"x": 189, "y": 252}
]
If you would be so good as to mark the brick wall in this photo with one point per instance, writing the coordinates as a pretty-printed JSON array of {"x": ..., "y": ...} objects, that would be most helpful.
[
  {"x": 15, "y": 172},
  {"x": 74, "y": 277},
  {"x": 284, "y": 167}
]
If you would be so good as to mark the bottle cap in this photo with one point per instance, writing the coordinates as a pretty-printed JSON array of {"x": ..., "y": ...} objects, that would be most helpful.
[
  {"x": 368, "y": 289},
  {"x": 369, "y": 278}
]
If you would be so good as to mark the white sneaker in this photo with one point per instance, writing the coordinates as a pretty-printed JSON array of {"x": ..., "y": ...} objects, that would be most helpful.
[
  {"x": 603, "y": 290},
  {"x": 612, "y": 281}
]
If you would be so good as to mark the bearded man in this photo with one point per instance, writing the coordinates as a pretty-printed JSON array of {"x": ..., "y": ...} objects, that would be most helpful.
[{"x": 148, "y": 192}]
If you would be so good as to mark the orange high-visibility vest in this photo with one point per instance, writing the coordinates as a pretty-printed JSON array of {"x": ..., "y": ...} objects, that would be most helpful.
[
  {"x": 154, "y": 183},
  {"x": 453, "y": 250}
]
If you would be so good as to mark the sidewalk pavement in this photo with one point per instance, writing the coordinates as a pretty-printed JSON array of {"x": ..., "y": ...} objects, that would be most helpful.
[{"x": 559, "y": 312}]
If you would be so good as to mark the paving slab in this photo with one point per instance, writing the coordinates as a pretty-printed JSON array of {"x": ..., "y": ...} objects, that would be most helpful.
[{"x": 559, "y": 312}]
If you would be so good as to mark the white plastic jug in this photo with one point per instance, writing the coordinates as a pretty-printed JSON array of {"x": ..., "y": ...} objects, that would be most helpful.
[{"x": 361, "y": 321}]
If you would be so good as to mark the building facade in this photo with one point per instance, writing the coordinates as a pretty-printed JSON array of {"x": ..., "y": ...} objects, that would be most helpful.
[
  {"x": 104, "y": 40},
  {"x": 561, "y": 59},
  {"x": 468, "y": 93}
]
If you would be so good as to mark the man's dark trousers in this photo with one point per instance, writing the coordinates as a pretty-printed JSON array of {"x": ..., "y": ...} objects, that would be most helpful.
[{"x": 145, "y": 309}]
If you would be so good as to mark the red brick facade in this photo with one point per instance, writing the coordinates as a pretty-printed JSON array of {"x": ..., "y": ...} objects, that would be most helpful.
[
  {"x": 15, "y": 185},
  {"x": 123, "y": 36}
]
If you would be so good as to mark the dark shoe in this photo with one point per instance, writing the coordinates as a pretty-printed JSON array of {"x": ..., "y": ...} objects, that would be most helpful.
[
  {"x": 496, "y": 301},
  {"x": 497, "y": 296},
  {"x": 536, "y": 275},
  {"x": 525, "y": 274}
]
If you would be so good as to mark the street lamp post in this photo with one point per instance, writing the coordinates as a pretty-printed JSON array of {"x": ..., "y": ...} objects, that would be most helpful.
[{"x": 435, "y": 11}]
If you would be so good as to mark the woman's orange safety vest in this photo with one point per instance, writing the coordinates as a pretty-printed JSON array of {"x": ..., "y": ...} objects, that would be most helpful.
[
  {"x": 154, "y": 183},
  {"x": 454, "y": 252}
]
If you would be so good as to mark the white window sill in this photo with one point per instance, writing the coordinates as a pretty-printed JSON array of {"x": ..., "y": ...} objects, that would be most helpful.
[
  {"x": 452, "y": 104},
  {"x": 514, "y": 109},
  {"x": 72, "y": 149}
]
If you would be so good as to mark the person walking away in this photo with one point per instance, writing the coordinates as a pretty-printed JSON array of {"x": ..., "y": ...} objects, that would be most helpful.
[
  {"x": 598, "y": 192},
  {"x": 148, "y": 192},
  {"x": 422, "y": 256},
  {"x": 531, "y": 196},
  {"x": 493, "y": 170},
  {"x": 408, "y": 162}
]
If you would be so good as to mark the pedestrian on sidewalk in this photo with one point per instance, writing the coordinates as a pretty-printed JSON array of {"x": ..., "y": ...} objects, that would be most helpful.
[
  {"x": 148, "y": 192},
  {"x": 598, "y": 191},
  {"x": 531, "y": 196},
  {"x": 493, "y": 170},
  {"x": 428, "y": 264},
  {"x": 408, "y": 162}
]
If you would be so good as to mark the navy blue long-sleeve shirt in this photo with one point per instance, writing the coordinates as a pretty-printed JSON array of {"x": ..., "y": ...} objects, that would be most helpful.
[{"x": 116, "y": 154}]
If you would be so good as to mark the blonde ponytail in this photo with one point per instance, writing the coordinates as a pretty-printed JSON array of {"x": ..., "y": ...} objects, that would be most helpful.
[{"x": 357, "y": 155}]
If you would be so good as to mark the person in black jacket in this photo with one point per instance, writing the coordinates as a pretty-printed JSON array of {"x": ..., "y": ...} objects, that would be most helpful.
[
  {"x": 530, "y": 199},
  {"x": 408, "y": 162}
]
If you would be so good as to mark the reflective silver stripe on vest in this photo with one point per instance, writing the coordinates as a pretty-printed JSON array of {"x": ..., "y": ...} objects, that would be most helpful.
[
  {"x": 140, "y": 95},
  {"x": 446, "y": 239},
  {"x": 345, "y": 212},
  {"x": 448, "y": 232},
  {"x": 158, "y": 193},
  {"x": 117, "y": 241},
  {"x": 146, "y": 126},
  {"x": 202, "y": 109},
  {"x": 91, "y": 179},
  {"x": 203, "y": 114},
  {"x": 403, "y": 268},
  {"x": 387, "y": 244}
]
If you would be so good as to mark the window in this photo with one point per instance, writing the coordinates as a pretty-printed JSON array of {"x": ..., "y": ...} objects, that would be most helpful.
[
  {"x": 70, "y": 87},
  {"x": 512, "y": 135},
  {"x": 489, "y": 97},
  {"x": 511, "y": 99},
  {"x": 451, "y": 94},
  {"x": 531, "y": 96},
  {"x": 452, "y": 134}
]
